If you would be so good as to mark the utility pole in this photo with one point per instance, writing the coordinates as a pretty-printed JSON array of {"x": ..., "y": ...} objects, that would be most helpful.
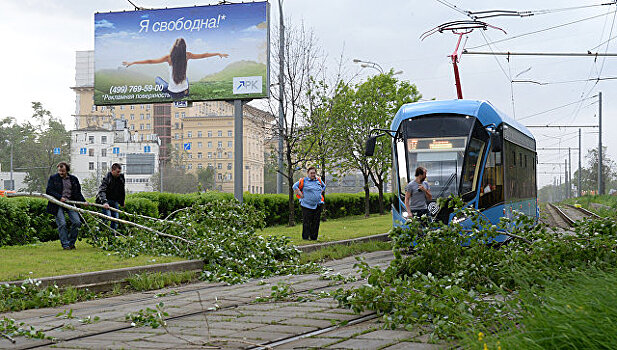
[
  {"x": 600, "y": 176},
  {"x": 580, "y": 169},
  {"x": 565, "y": 192},
  {"x": 279, "y": 173},
  {"x": 569, "y": 173}
]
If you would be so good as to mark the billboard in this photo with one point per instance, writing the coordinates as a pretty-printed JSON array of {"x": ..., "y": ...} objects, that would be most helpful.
[{"x": 196, "y": 53}]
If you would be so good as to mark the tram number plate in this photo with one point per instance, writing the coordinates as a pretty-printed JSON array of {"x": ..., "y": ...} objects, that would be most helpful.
[{"x": 433, "y": 208}]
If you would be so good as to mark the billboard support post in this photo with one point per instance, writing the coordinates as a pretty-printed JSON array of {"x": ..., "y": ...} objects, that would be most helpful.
[{"x": 238, "y": 150}]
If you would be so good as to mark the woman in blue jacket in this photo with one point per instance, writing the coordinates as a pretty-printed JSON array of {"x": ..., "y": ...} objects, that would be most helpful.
[{"x": 310, "y": 192}]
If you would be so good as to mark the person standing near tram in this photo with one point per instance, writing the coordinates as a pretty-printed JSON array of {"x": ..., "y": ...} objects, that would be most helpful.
[
  {"x": 418, "y": 194},
  {"x": 310, "y": 190}
]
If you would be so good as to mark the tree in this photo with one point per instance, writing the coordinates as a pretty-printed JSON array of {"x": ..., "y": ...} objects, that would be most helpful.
[
  {"x": 175, "y": 180},
  {"x": 303, "y": 59},
  {"x": 206, "y": 178},
  {"x": 357, "y": 110},
  {"x": 90, "y": 186},
  {"x": 589, "y": 174}
]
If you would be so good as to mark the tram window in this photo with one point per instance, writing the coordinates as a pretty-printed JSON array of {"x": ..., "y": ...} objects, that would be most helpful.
[
  {"x": 514, "y": 158},
  {"x": 491, "y": 190},
  {"x": 525, "y": 161},
  {"x": 471, "y": 168}
]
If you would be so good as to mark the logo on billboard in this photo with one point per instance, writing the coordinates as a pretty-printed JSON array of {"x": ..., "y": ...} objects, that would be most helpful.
[
  {"x": 248, "y": 85},
  {"x": 433, "y": 208}
]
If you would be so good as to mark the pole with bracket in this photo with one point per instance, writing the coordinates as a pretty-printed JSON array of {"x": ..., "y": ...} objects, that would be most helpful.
[{"x": 238, "y": 150}]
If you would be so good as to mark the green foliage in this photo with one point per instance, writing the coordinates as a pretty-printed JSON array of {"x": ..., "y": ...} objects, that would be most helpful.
[
  {"x": 9, "y": 328},
  {"x": 30, "y": 296},
  {"x": 222, "y": 233},
  {"x": 158, "y": 280},
  {"x": 453, "y": 280},
  {"x": 149, "y": 317},
  {"x": 577, "y": 312}
]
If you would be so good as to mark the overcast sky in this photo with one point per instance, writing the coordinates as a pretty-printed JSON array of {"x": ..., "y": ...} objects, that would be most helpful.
[{"x": 40, "y": 37}]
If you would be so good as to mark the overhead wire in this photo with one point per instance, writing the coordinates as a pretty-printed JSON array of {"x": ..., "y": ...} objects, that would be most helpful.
[
  {"x": 510, "y": 13},
  {"x": 555, "y": 108},
  {"x": 543, "y": 30},
  {"x": 452, "y": 6}
]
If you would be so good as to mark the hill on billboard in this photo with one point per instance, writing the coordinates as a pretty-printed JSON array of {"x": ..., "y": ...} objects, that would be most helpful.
[{"x": 196, "y": 53}]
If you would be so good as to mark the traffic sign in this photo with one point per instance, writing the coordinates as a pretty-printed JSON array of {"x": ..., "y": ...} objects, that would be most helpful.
[
  {"x": 146, "y": 149},
  {"x": 57, "y": 150},
  {"x": 187, "y": 146},
  {"x": 116, "y": 150}
]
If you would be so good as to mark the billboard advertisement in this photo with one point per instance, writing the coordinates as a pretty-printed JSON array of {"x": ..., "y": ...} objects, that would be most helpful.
[{"x": 196, "y": 53}]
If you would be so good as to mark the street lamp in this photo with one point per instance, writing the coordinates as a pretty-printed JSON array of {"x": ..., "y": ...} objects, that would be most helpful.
[
  {"x": 374, "y": 65},
  {"x": 12, "y": 184}
]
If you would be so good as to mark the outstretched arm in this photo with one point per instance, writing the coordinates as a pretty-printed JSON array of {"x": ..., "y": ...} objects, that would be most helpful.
[
  {"x": 190, "y": 55},
  {"x": 158, "y": 60}
]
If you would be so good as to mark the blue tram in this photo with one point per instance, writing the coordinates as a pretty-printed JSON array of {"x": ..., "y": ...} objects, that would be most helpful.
[{"x": 471, "y": 150}]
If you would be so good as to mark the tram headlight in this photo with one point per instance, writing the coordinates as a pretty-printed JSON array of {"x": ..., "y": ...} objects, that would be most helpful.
[{"x": 405, "y": 214}]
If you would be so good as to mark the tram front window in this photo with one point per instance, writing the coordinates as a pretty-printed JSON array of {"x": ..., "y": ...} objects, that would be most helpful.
[{"x": 443, "y": 159}]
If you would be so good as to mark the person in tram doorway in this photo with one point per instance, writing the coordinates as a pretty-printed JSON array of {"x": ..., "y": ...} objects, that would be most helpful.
[
  {"x": 64, "y": 186},
  {"x": 418, "y": 194},
  {"x": 112, "y": 193},
  {"x": 310, "y": 190}
]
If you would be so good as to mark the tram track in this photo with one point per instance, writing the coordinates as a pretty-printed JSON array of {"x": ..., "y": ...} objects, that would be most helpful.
[
  {"x": 227, "y": 303},
  {"x": 564, "y": 217}
]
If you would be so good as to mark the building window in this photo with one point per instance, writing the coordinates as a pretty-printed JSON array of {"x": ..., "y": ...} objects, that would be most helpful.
[
  {"x": 103, "y": 139},
  {"x": 209, "y": 144},
  {"x": 199, "y": 144},
  {"x": 228, "y": 166},
  {"x": 104, "y": 152},
  {"x": 209, "y": 133},
  {"x": 177, "y": 115},
  {"x": 183, "y": 114},
  {"x": 121, "y": 107},
  {"x": 209, "y": 155},
  {"x": 209, "y": 165},
  {"x": 91, "y": 166},
  {"x": 229, "y": 133},
  {"x": 199, "y": 155},
  {"x": 219, "y": 165},
  {"x": 220, "y": 176},
  {"x": 141, "y": 106},
  {"x": 190, "y": 156},
  {"x": 103, "y": 108},
  {"x": 199, "y": 134},
  {"x": 141, "y": 116},
  {"x": 91, "y": 152},
  {"x": 230, "y": 144},
  {"x": 189, "y": 134},
  {"x": 199, "y": 166},
  {"x": 220, "y": 133},
  {"x": 90, "y": 139},
  {"x": 141, "y": 126},
  {"x": 132, "y": 116},
  {"x": 177, "y": 136},
  {"x": 228, "y": 176},
  {"x": 190, "y": 166},
  {"x": 132, "y": 107},
  {"x": 230, "y": 155},
  {"x": 148, "y": 126},
  {"x": 148, "y": 107},
  {"x": 177, "y": 145},
  {"x": 219, "y": 154},
  {"x": 148, "y": 116},
  {"x": 177, "y": 125},
  {"x": 220, "y": 144}
]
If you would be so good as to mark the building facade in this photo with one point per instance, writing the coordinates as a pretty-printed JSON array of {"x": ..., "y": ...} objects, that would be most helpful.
[{"x": 94, "y": 150}]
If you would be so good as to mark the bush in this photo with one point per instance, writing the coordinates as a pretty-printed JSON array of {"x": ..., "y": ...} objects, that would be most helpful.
[{"x": 26, "y": 219}]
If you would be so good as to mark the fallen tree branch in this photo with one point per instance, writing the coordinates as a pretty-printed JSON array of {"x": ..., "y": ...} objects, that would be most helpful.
[
  {"x": 117, "y": 210},
  {"x": 95, "y": 213}
]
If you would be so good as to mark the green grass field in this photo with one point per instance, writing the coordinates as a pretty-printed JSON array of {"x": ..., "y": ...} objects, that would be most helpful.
[
  {"x": 49, "y": 259},
  {"x": 336, "y": 229}
]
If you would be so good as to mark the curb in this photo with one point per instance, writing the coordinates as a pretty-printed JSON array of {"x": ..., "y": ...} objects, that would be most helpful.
[{"x": 99, "y": 281}]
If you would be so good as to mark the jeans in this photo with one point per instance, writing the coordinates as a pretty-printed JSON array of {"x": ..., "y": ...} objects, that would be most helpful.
[
  {"x": 310, "y": 222},
  {"x": 68, "y": 238},
  {"x": 113, "y": 214},
  {"x": 174, "y": 95}
]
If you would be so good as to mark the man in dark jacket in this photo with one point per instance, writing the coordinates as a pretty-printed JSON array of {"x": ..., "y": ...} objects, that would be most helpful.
[
  {"x": 111, "y": 192},
  {"x": 64, "y": 186}
]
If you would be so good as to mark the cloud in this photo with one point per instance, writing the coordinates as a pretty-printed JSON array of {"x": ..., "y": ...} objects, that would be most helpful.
[
  {"x": 256, "y": 28},
  {"x": 103, "y": 24}
]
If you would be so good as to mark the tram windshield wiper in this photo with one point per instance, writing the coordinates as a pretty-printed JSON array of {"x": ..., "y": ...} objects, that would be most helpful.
[{"x": 447, "y": 185}]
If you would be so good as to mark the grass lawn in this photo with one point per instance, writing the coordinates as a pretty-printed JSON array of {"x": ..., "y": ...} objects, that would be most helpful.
[
  {"x": 49, "y": 259},
  {"x": 335, "y": 229}
]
